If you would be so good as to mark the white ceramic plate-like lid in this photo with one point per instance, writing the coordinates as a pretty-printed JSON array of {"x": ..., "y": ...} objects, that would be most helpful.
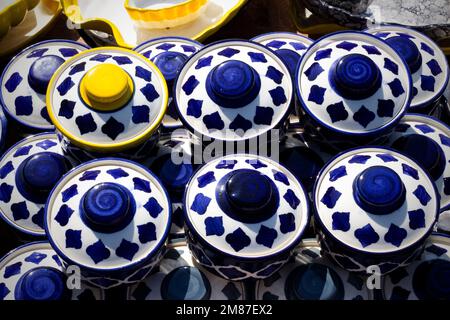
[
  {"x": 107, "y": 99},
  {"x": 108, "y": 215},
  {"x": 426, "y": 61},
  {"x": 233, "y": 90},
  {"x": 375, "y": 200},
  {"x": 353, "y": 83},
  {"x": 28, "y": 172},
  {"x": 426, "y": 278},
  {"x": 247, "y": 207},
  {"x": 427, "y": 141},
  {"x": 35, "y": 272},
  {"x": 25, "y": 79}
]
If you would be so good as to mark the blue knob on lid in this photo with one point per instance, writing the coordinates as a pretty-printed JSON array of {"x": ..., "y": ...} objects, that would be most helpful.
[
  {"x": 185, "y": 283},
  {"x": 42, "y": 283},
  {"x": 379, "y": 190},
  {"x": 355, "y": 77},
  {"x": 173, "y": 176},
  {"x": 290, "y": 59},
  {"x": 431, "y": 280},
  {"x": 247, "y": 195},
  {"x": 314, "y": 282},
  {"x": 42, "y": 70},
  {"x": 407, "y": 49},
  {"x": 170, "y": 64},
  {"x": 425, "y": 151},
  {"x": 107, "y": 207},
  {"x": 38, "y": 174},
  {"x": 233, "y": 84}
]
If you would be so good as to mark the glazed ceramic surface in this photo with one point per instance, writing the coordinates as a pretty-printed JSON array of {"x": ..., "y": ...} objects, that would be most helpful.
[
  {"x": 107, "y": 100},
  {"x": 111, "y": 17},
  {"x": 180, "y": 278},
  {"x": 28, "y": 172},
  {"x": 426, "y": 61},
  {"x": 169, "y": 54},
  {"x": 246, "y": 211},
  {"x": 35, "y": 272},
  {"x": 25, "y": 79},
  {"x": 233, "y": 91},
  {"x": 427, "y": 141},
  {"x": 12, "y": 12},
  {"x": 424, "y": 279},
  {"x": 3, "y": 129},
  {"x": 111, "y": 217},
  {"x": 375, "y": 204},
  {"x": 309, "y": 276}
]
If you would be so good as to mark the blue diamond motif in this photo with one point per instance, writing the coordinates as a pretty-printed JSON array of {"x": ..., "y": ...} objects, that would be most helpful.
[
  {"x": 263, "y": 115},
  {"x": 24, "y": 106},
  {"x": 337, "y": 112},
  {"x": 395, "y": 235},
  {"x": 323, "y": 54},
  {"x": 396, "y": 87},
  {"x": 427, "y": 83},
  {"x": 147, "y": 54},
  {"x": 36, "y": 257},
  {"x": 424, "y": 128},
  {"x": 141, "y": 114},
  {"x": 416, "y": 219},
  {"x": 278, "y": 96},
  {"x": 385, "y": 108},
  {"x": 391, "y": 66},
  {"x": 256, "y": 163},
  {"x": 153, "y": 207},
  {"x": 37, "y": 53},
  {"x": 287, "y": 222},
  {"x": 143, "y": 73},
  {"x": 86, "y": 123},
  {"x": 213, "y": 121},
  {"x": 12, "y": 270},
  {"x": 147, "y": 232},
  {"x": 204, "y": 62},
  {"x": 6, "y": 169},
  {"x": 65, "y": 86},
  {"x": 69, "y": 193},
  {"x": 44, "y": 114},
  {"x": 22, "y": 151},
  {"x": 68, "y": 52},
  {"x": 257, "y": 57},
  {"x": 371, "y": 49},
  {"x": 240, "y": 123},
  {"x": 266, "y": 236},
  {"x": 13, "y": 82},
  {"x": 298, "y": 46},
  {"x": 165, "y": 46},
  {"x": 238, "y": 239},
  {"x": 214, "y": 226},
  {"x": 337, "y": 173},
  {"x": 200, "y": 204},
  {"x": 410, "y": 171},
  {"x": 316, "y": 94},
  {"x": 63, "y": 215},
  {"x": 314, "y": 71},
  {"x": 445, "y": 140},
  {"x": 66, "y": 109},
  {"x": 121, "y": 60},
  {"x": 5, "y": 192},
  {"x": 46, "y": 144},
  {"x": 422, "y": 194},
  {"x": 100, "y": 57},
  {"x": 386, "y": 157},
  {"x": 194, "y": 108},
  {"x": 127, "y": 249},
  {"x": 347, "y": 45},
  {"x": 73, "y": 239},
  {"x": 330, "y": 197},
  {"x": 291, "y": 199},
  {"x": 113, "y": 128},
  {"x": 364, "y": 116},
  {"x": 117, "y": 173},
  {"x": 150, "y": 92},
  {"x": 80, "y": 67},
  {"x": 187, "y": 48},
  {"x": 190, "y": 85},
  {"x": 280, "y": 176},
  {"x": 360, "y": 159},
  {"x": 367, "y": 235},
  {"x": 274, "y": 74},
  {"x": 426, "y": 48},
  {"x": 20, "y": 211},
  {"x": 275, "y": 44},
  {"x": 341, "y": 221},
  {"x": 98, "y": 252},
  {"x": 434, "y": 67},
  {"x": 206, "y": 179},
  {"x": 142, "y": 185},
  {"x": 226, "y": 164}
]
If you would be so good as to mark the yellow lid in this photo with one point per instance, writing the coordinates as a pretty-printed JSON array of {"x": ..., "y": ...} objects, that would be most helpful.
[{"x": 106, "y": 87}]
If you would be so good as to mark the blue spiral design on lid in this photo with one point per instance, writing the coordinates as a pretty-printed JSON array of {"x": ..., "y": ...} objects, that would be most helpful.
[{"x": 43, "y": 283}]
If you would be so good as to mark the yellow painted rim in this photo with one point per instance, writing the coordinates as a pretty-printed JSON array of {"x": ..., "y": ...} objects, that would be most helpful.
[
  {"x": 169, "y": 13},
  {"x": 108, "y": 147},
  {"x": 105, "y": 25}
]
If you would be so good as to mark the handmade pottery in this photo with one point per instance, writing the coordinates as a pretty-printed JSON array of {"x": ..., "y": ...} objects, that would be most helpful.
[
  {"x": 110, "y": 217},
  {"x": 12, "y": 12},
  {"x": 374, "y": 208}
]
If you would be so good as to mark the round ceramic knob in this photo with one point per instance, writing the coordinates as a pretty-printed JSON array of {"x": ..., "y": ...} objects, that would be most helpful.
[
  {"x": 173, "y": 176},
  {"x": 355, "y": 76},
  {"x": 233, "y": 84},
  {"x": 290, "y": 58},
  {"x": 424, "y": 150},
  {"x": 43, "y": 283},
  {"x": 170, "y": 63},
  {"x": 38, "y": 174},
  {"x": 314, "y": 282},
  {"x": 107, "y": 207},
  {"x": 379, "y": 190},
  {"x": 42, "y": 70},
  {"x": 185, "y": 283},
  {"x": 408, "y": 50}
]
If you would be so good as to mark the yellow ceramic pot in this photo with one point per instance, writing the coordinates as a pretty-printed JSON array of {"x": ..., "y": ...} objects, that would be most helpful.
[{"x": 12, "y": 12}]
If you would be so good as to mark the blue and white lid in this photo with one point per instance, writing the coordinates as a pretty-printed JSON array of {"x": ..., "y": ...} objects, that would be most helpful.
[
  {"x": 28, "y": 172},
  {"x": 425, "y": 59},
  {"x": 169, "y": 54},
  {"x": 426, "y": 278},
  {"x": 246, "y": 206},
  {"x": 288, "y": 45},
  {"x": 310, "y": 276},
  {"x": 25, "y": 80},
  {"x": 427, "y": 141},
  {"x": 108, "y": 214},
  {"x": 35, "y": 272},
  {"x": 375, "y": 200},
  {"x": 180, "y": 278},
  {"x": 353, "y": 83},
  {"x": 233, "y": 90}
]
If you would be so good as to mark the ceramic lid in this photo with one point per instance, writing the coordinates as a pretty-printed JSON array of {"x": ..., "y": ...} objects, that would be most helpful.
[
  {"x": 427, "y": 141},
  {"x": 426, "y": 278},
  {"x": 169, "y": 54},
  {"x": 180, "y": 278},
  {"x": 375, "y": 200},
  {"x": 309, "y": 276},
  {"x": 425, "y": 59},
  {"x": 35, "y": 272},
  {"x": 246, "y": 206},
  {"x": 28, "y": 172},
  {"x": 108, "y": 214},
  {"x": 353, "y": 83},
  {"x": 233, "y": 90},
  {"x": 25, "y": 80},
  {"x": 107, "y": 99},
  {"x": 289, "y": 46}
]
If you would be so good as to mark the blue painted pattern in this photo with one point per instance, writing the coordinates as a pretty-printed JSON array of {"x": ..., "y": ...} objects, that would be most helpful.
[
  {"x": 86, "y": 123},
  {"x": 141, "y": 114},
  {"x": 66, "y": 109},
  {"x": 153, "y": 207},
  {"x": 20, "y": 211},
  {"x": 238, "y": 239},
  {"x": 98, "y": 252},
  {"x": 287, "y": 222},
  {"x": 80, "y": 67},
  {"x": 263, "y": 115},
  {"x": 143, "y": 73},
  {"x": 142, "y": 185},
  {"x": 214, "y": 226},
  {"x": 63, "y": 215},
  {"x": 364, "y": 116},
  {"x": 416, "y": 219},
  {"x": 147, "y": 232},
  {"x": 341, "y": 221},
  {"x": 330, "y": 197},
  {"x": 266, "y": 236},
  {"x": 127, "y": 249},
  {"x": 35, "y": 257},
  {"x": 291, "y": 199},
  {"x": 200, "y": 204},
  {"x": 367, "y": 235},
  {"x": 117, "y": 173},
  {"x": 337, "y": 112},
  {"x": 395, "y": 235},
  {"x": 73, "y": 239},
  {"x": 69, "y": 193},
  {"x": 113, "y": 128}
]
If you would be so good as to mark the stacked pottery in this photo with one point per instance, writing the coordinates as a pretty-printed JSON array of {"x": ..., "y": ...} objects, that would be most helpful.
[
  {"x": 111, "y": 218},
  {"x": 107, "y": 101},
  {"x": 180, "y": 278},
  {"x": 34, "y": 272},
  {"x": 234, "y": 92},
  {"x": 310, "y": 276},
  {"x": 169, "y": 54},
  {"x": 25, "y": 80},
  {"x": 426, "y": 62},
  {"x": 28, "y": 172},
  {"x": 353, "y": 89},
  {"x": 244, "y": 215},
  {"x": 374, "y": 208}
]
